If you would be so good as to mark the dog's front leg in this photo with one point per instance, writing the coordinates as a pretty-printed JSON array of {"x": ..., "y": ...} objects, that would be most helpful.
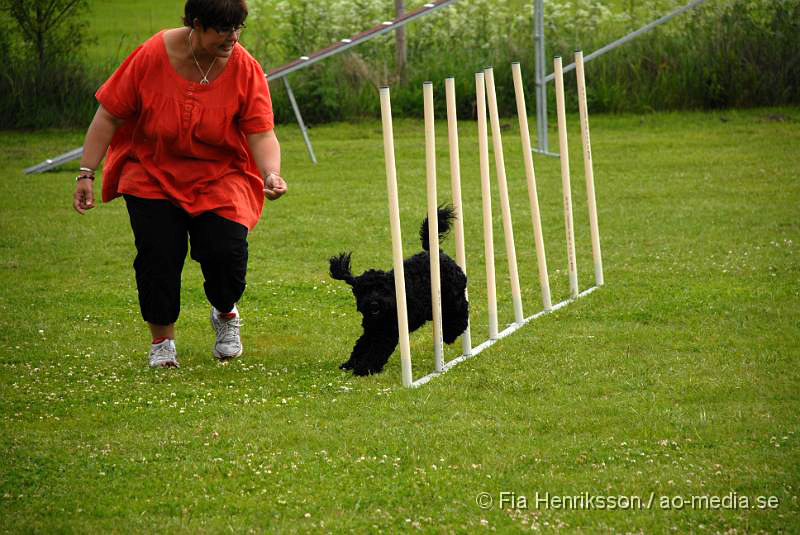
[
  {"x": 360, "y": 350},
  {"x": 381, "y": 348}
]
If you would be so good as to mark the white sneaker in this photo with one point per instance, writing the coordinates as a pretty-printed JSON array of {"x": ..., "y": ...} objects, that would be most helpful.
[
  {"x": 228, "y": 344},
  {"x": 164, "y": 355}
]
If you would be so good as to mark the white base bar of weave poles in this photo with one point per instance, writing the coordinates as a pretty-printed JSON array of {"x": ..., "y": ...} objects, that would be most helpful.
[
  {"x": 485, "y": 91},
  {"x": 502, "y": 334}
]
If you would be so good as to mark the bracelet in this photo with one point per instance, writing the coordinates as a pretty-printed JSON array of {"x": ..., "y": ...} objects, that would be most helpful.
[
  {"x": 87, "y": 170},
  {"x": 90, "y": 177}
]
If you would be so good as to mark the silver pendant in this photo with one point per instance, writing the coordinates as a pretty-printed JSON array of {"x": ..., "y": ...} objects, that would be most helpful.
[{"x": 204, "y": 81}]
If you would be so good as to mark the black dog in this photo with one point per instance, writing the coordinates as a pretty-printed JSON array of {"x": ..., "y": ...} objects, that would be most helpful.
[{"x": 375, "y": 299}]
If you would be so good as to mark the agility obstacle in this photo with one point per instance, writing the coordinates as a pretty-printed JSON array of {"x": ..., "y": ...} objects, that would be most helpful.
[{"x": 487, "y": 101}]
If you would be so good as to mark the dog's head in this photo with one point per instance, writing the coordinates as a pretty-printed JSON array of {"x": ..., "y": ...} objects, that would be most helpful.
[{"x": 373, "y": 289}]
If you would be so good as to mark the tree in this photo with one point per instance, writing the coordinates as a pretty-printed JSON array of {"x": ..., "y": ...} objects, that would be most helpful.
[
  {"x": 50, "y": 26},
  {"x": 44, "y": 81}
]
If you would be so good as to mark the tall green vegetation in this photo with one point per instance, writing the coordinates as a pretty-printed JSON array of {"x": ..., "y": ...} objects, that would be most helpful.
[
  {"x": 725, "y": 53},
  {"x": 43, "y": 81}
]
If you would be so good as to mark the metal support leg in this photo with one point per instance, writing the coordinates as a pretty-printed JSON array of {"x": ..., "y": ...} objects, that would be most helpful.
[
  {"x": 46, "y": 165},
  {"x": 541, "y": 83},
  {"x": 300, "y": 122}
]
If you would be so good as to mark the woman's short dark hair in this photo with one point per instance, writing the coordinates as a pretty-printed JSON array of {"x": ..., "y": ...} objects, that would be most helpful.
[{"x": 215, "y": 13}]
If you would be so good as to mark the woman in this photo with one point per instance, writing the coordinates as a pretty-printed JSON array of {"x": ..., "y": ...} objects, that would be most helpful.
[{"x": 188, "y": 126}]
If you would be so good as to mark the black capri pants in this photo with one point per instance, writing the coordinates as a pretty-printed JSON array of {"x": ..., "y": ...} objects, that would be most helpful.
[{"x": 163, "y": 232}]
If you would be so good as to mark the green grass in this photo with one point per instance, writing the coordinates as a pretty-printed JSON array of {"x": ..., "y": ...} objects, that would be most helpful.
[{"x": 679, "y": 377}]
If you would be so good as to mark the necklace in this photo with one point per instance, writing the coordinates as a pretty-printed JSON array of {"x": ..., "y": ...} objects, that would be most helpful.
[{"x": 204, "y": 80}]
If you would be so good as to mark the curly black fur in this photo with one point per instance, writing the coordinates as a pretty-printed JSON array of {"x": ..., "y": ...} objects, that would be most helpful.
[{"x": 375, "y": 300}]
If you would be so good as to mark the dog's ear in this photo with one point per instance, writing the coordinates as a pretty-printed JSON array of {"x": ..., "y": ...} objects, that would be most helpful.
[{"x": 340, "y": 268}]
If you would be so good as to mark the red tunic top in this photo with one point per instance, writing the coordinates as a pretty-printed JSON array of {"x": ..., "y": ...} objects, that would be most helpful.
[{"x": 183, "y": 141}]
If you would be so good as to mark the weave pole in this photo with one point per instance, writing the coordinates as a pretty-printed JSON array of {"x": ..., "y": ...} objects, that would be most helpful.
[
  {"x": 486, "y": 196},
  {"x": 533, "y": 197},
  {"x": 505, "y": 205},
  {"x": 455, "y": 186},
  {"x": 588, "y": 170},
  {"x": 433, "y": 225},
  {"x": 483, "y": 84},
  {"x": 564, "y": 157},
  {"x": 397, "y": 242}
]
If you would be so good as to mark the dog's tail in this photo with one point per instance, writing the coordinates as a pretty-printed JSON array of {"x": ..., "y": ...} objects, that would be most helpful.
[
  {"x": 340, "y": 268},
  {"x": 446, "y": 214}
]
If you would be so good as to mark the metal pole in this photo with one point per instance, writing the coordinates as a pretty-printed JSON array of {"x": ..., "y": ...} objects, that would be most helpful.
[
  {"x": 52, "y": 163},
  {"x": 344, "y": 44},
  {"x": 631, "y": 36},
  {"x": 299, "y": 120},
  {"x": 541, "y": 83},
  {"x": 538, "y": 44}
]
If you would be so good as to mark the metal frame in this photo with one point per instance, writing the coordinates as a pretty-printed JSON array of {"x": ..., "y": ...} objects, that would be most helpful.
[
  {"x": 541, "y": 80},
  {"x": 340, "y": 46},
  {"x": 51, "y": 163},
  {"x": 344, "y": 44}
]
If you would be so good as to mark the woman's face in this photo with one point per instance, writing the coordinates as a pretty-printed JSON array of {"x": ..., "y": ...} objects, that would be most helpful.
[{"x": 217, "y": 41}]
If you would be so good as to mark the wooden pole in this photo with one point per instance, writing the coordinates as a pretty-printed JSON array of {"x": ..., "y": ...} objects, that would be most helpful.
[
  {"x": 433, "y": 225},
  {"x": 533, "y": 197},
  {"x": 564, "y": 157},
  {"x": 594, "y": 229},
  {"x": 486, "y": 195},
  {"x": 455, "y": 185},
  {"x": 397, "y": 242},
  {"x": 505, "y": 205}
]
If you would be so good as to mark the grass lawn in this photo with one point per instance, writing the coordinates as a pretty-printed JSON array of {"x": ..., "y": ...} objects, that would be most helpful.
[{"x": 678, "y": 378}]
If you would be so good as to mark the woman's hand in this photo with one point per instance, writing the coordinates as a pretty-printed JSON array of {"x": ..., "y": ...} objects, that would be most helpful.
[
  {"x": 274, "y": 186},
  {"x": 83, "y": 198},
  {"x": 266, "y": 152},
  {"x": 95, "y": 146}
]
